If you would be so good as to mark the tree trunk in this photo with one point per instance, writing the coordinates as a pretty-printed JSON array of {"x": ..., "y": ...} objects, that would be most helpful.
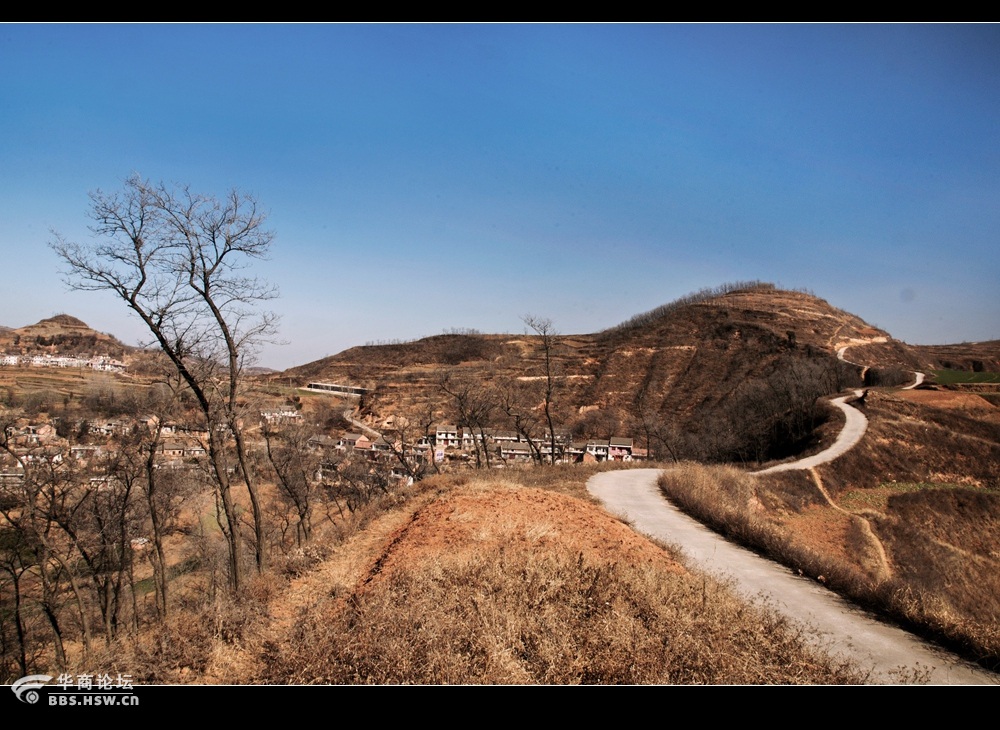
[{"x": 158, "y": 559}]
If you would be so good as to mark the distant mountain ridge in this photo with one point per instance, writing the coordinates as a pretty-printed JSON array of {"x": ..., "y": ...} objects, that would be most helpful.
[{"x": 813, "y": 322}]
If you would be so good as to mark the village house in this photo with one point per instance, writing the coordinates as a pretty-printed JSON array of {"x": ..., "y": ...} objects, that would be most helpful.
[
  {"x": 11, "y": 477},
  {"x": 32, "y": 434},
  {"x": 598, "y": 449},
  {"x": 84, "y": 453},
  {"x": 574, "y": 452},
  {"x": 349, "y": 441},
  {"x": 172, "y": 428},
  {"x": 515, "y": 451},
  {"x": 446, "y": 436},
  {"x": 181, "y": 448},
  {"x": 505, "y": 437},
  {"x": 281, "y": 416},
  {"x": 109, "y": 428},
  {"x": 620, "y": 448},
  {"x": 322, "y": 442},
  {"x": 50, "y": 454}
]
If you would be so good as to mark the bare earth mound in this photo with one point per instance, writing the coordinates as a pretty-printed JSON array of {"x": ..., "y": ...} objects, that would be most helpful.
[
  {"x": 499, "y": 584},
  {"x": 476, "y": 522}
]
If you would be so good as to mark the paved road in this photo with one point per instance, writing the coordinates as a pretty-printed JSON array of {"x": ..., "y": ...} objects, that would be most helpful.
[
  {"x": 854, "y": 428},
  {"x": 918, "y": 376},
  {"x": 365, "y": 429},
  {"x": 834, "y": 623}
]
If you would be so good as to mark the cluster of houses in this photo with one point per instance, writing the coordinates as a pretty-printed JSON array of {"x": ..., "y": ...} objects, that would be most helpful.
[
  {"x": 182, "y": 446},
  {"x": 514, "y": 447},
  {"x": 177, "y": 447},
  {"x": 105, "y": 364},
  {"x": 447, "y": 442}
]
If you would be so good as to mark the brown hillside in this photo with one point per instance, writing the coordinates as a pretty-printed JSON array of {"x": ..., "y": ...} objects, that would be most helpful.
[
  {"x": 497, "y": 583},
  {"x": 61, "y": 335},
  {"x": 672, "y": 365},
  {"x": 970, "y": 356},
  {"x": 61, "y": 323}
]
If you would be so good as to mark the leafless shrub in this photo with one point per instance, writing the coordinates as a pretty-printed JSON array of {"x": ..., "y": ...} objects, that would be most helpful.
[
  {"x": 887, "y": 377},
  {"x": 645, "y": 318},
  {"x": 181, "y": 649},
  {"x": 302, "y": 559}
]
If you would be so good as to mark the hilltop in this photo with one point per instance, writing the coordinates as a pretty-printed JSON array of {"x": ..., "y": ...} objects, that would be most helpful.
[
  {"x": 679, "y": 370},
  {"x": 62, "y": 334}
]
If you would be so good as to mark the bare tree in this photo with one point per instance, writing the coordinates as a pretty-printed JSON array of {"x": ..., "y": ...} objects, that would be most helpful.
[
  {"x": 402, "y": 438},
  {"x": 176, "y": 259},
  {"x": 39, "y": 556},
  {"x": 544, "y": 328},
  {"x": 474, "y": 403},
  {"x": 516, "y": 400},
  {"x": 295, "y": 470}
]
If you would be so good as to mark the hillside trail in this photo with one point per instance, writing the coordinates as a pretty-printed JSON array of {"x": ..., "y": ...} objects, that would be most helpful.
[
  {"x": 892, "y": 655},
  {"x": 855, "y": 425}
]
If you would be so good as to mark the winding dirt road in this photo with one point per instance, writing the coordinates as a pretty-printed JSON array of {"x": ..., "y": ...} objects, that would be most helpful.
[
  {"x": 854, "y": 428},
  {"x": 893, "y": 656}
]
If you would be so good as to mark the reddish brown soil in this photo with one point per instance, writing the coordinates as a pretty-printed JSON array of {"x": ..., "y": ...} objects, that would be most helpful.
[
  {"x": 439, "y": 528},
  {"x": 512, "y": 518},
  {"x": 823, "y": 530},
  {"x": 949, "y": 399}
]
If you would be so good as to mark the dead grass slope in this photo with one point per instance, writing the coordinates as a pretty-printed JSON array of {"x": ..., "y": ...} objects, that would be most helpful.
[
  {"x": 908, "y": 522},
  {"x": 489, "y": 581}
]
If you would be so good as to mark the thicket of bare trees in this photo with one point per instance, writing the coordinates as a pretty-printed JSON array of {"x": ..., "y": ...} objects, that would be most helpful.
[
  {"x": 767, "y": 417},
  {"x": 645, "y": 318},
  {"x": 297, "y": 473},
  {"x": 474, "y": 403},
  {"x": 70, "y": 548},
  {"x": 525, "y": 405},
  {"x": 176, "y": 259},
  {"x": 94, "y": 550}
]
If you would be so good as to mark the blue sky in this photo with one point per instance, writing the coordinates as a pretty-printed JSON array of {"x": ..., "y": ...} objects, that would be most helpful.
[{"x": 421, "y": 178}]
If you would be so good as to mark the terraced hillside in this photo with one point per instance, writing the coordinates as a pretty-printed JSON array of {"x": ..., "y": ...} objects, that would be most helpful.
[{"x": 674, "y": 368}]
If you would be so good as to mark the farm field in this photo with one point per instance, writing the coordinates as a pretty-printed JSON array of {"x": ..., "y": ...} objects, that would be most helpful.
[{"x": 953, "y": 377}]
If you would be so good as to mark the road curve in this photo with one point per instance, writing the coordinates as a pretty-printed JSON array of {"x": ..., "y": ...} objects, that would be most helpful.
[
  {"x": 854, "y": 428},
  {"x": 892, "y": 655}
]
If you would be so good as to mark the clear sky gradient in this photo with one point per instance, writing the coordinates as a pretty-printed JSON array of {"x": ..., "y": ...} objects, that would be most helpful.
[{"x": 421, "y": 178}]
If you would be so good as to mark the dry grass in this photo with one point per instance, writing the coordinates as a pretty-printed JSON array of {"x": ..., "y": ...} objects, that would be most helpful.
[
  {"x": 183, "y": 648},
  {"x": 922, "y": 436},
  {"x": 925, "y": 556},
  {"x": 518, "y": 617},
  {"x": 477, "y": 579}
]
